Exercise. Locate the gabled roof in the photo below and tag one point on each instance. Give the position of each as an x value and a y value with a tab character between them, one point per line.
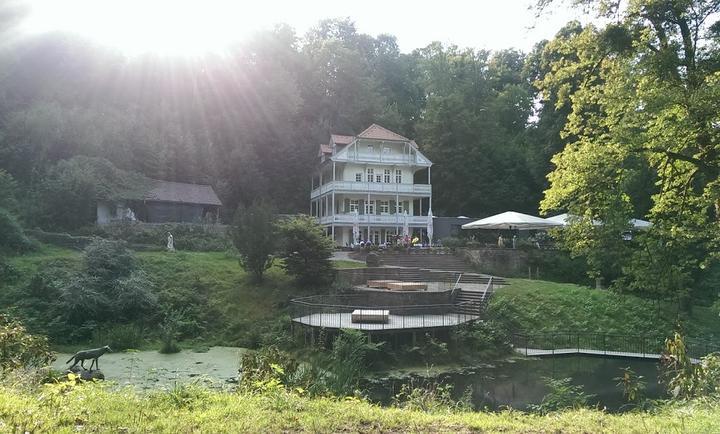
339	139
324	149
180	192
377	132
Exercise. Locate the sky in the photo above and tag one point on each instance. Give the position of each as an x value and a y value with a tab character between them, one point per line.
195	26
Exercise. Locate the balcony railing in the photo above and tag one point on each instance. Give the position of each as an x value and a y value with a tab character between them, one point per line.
385	158
372	187
365	219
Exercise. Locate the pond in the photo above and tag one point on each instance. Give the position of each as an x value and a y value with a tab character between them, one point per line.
216	367
518	383
515	382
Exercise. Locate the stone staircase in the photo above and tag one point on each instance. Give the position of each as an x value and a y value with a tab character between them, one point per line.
430	261
473	290
472	302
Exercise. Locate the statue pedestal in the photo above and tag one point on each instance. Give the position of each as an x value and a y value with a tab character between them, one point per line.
86	375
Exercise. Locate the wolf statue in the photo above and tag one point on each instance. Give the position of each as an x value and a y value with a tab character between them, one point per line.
93	354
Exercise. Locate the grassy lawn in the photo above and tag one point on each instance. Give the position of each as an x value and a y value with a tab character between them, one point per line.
196	410
547	306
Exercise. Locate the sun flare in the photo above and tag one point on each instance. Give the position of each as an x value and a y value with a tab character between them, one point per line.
163	26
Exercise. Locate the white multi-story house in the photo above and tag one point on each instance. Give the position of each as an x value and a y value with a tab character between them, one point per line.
374	179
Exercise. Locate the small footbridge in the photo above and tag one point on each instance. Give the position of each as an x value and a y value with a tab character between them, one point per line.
601	344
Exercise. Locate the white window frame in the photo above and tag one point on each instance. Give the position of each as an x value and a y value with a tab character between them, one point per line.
387	176
378	178
386	150
370	207
354	205
370	149
370	175
384	207
398	176
358	177
399	207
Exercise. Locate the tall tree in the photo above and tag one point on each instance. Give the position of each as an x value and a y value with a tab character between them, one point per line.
647	98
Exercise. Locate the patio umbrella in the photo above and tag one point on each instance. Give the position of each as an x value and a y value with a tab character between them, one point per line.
406	225
356	227
430	226
564	219
511	220
640	224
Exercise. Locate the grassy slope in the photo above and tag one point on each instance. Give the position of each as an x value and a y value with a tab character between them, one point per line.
233	302
201	411
545	306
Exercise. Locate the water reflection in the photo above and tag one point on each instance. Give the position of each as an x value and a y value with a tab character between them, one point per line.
519	383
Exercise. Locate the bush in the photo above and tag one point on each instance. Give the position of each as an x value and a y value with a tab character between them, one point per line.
431	398
350	358
119	337
12	237
563	395
307	251
108	260
255	239
170	330
20	349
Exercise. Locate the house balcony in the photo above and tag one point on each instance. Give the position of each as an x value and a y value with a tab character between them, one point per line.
366	157
372	187
348	219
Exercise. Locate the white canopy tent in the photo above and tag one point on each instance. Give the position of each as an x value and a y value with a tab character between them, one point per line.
511	220
564	220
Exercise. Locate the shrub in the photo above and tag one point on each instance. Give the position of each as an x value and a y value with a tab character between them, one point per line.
306	251
170	331
431	398
12	237
350	358
563	395
20	349
119	337
108	260
254	237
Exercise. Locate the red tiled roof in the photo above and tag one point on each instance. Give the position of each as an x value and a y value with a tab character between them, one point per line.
325	149
377	132
340	139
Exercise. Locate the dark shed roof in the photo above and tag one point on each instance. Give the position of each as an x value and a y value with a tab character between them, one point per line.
180	192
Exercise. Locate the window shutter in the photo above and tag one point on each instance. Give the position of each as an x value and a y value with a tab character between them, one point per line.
347	205
361	206
406	206
393	207
377	207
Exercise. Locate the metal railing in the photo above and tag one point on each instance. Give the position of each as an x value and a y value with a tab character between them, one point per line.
335	311
372	187
604	344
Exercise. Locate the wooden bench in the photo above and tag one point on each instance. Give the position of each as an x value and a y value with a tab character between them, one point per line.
370	315
380	284
407	286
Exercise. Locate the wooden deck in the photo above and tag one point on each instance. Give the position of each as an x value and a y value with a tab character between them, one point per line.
535	352
395	322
